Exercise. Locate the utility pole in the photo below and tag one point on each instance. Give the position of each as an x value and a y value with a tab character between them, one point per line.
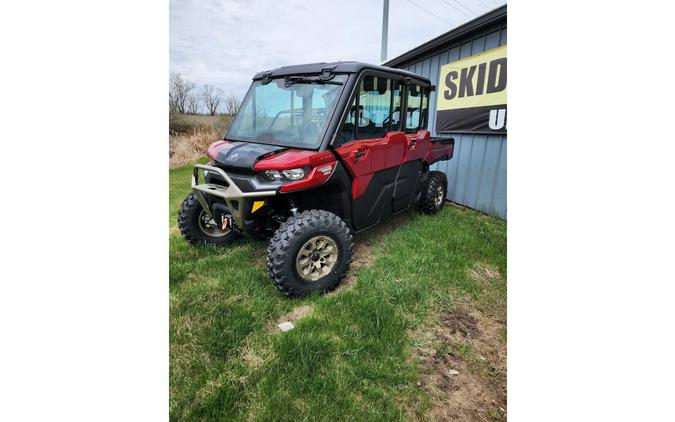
385	30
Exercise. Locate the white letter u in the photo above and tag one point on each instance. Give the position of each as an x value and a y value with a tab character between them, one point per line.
497	118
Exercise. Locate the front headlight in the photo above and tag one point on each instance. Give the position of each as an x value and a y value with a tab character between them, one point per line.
292	174
273	174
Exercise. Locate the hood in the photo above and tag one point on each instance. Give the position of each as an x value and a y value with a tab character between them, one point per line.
244	155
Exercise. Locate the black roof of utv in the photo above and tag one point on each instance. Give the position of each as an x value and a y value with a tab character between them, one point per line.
335	67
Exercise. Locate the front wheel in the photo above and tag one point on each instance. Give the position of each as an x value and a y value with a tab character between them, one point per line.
198	227
309	253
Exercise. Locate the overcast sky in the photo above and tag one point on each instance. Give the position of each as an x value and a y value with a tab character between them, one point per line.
225	42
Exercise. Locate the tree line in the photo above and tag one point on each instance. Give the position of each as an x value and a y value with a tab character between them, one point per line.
185	98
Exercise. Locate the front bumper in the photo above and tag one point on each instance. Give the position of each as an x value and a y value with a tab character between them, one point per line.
238	202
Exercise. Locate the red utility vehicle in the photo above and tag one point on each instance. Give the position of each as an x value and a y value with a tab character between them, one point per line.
316	153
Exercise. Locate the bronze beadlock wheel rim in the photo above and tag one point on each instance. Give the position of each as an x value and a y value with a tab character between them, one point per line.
316	258
209	227
440	195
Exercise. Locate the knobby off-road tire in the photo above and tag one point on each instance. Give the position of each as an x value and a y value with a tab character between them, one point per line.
433	194
297	238
194	230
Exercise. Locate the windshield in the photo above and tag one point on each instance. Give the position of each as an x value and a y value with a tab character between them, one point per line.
287	112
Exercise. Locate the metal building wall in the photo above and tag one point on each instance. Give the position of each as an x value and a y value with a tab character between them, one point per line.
477	172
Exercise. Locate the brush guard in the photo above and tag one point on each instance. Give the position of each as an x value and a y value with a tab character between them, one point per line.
236	200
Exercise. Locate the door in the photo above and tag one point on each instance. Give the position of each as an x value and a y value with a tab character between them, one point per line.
417	146
372	148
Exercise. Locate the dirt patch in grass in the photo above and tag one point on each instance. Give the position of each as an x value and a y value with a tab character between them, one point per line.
463	357
294	315
462	352
362	256
297	313
464	396
364	245
459	321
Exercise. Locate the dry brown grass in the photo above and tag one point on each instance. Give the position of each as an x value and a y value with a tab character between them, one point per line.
198	132
186	148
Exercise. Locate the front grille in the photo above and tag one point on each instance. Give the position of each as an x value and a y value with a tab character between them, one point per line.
242	181
214	178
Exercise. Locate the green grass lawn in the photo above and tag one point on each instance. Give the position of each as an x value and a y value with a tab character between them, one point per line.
354	357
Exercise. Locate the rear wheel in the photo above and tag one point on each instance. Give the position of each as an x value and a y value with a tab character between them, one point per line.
310	252
198	227
434	193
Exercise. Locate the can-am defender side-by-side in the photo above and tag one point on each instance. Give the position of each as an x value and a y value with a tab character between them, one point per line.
317	153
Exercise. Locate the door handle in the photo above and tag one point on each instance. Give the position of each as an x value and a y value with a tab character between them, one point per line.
412	143
360	153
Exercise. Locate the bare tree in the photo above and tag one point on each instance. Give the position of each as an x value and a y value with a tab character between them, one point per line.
232	104
192	104
179	92
212	97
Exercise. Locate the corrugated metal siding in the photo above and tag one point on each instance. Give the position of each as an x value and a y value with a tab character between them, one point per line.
477	172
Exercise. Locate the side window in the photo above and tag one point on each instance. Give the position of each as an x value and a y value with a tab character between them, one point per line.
413	108
374	108
425	108
396	107
346	132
